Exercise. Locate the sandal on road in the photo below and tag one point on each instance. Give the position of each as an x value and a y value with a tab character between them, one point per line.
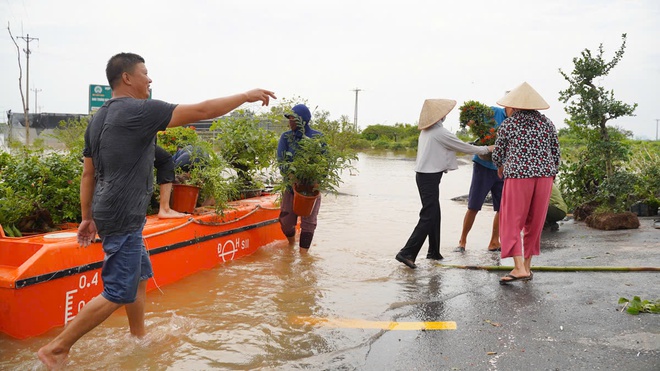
512	278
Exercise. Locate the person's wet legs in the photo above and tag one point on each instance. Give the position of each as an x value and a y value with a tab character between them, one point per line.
494	244
429	193
468	222
287	217
308	226
54	354
135	311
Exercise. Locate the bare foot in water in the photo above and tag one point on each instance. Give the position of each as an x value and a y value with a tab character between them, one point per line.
52	358
171	214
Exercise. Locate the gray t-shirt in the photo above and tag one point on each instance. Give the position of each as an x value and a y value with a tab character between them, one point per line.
121	139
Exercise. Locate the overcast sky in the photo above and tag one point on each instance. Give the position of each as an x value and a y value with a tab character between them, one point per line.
397	52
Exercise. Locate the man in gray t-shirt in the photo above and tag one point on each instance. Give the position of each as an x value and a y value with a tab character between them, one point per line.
115	188
120	141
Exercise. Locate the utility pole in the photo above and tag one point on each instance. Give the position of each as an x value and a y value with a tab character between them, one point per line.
656	129
36	91
27	51
356	90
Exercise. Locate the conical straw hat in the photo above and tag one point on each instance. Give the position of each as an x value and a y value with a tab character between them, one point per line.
433	110
524	97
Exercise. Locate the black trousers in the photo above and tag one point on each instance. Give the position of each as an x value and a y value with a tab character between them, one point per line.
428	185
164	166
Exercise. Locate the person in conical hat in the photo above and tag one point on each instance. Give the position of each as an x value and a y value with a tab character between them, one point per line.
436	154
527	156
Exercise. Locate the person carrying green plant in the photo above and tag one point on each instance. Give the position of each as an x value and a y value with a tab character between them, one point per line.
115	190
484	179
299	119
436	155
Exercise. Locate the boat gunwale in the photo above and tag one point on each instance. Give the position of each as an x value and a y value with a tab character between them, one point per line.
203	219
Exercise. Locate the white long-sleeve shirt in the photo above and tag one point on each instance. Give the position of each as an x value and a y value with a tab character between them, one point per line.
437	147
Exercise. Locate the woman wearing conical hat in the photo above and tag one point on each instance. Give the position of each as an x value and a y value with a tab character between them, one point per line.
527	156
436	154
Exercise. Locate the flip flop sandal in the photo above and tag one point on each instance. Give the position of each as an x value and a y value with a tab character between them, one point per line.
512	279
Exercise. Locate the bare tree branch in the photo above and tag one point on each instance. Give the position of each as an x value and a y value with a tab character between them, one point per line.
20	70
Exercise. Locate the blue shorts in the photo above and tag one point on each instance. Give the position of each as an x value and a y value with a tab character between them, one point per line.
126	263
484	180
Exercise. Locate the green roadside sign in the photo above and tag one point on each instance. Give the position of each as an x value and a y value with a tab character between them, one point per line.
98	94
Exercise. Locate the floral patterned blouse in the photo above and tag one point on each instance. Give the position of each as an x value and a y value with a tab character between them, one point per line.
527	146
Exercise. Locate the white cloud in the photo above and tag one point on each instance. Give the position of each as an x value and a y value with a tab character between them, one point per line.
399	53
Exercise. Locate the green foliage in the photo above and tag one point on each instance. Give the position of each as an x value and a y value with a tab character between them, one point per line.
615	191
637	306
411	142
480	119
381	144
315	165
275	116
210	172
645	164
589	104
215	182
583	173
339	134
245	146
599	151
181	136
34	182
71	133
397	137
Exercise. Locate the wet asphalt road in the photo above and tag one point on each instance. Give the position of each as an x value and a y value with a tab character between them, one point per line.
557	321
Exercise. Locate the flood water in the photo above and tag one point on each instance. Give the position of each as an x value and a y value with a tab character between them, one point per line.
275	309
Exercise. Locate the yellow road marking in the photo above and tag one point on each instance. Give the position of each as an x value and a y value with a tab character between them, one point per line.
383	325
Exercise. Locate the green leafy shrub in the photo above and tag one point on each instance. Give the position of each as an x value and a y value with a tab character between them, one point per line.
248	148
480	120
38	188
71	133
182	136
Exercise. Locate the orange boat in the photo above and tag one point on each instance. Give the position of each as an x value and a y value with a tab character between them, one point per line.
46	279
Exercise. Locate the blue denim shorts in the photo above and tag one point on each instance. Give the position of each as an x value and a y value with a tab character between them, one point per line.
126	263
484	180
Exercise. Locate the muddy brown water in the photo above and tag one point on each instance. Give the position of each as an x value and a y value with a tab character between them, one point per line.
267	311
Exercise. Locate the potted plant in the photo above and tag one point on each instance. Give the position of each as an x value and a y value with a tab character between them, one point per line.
314	167
206	181
480	120
248	148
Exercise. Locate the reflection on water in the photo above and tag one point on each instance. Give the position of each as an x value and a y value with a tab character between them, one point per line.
249	314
